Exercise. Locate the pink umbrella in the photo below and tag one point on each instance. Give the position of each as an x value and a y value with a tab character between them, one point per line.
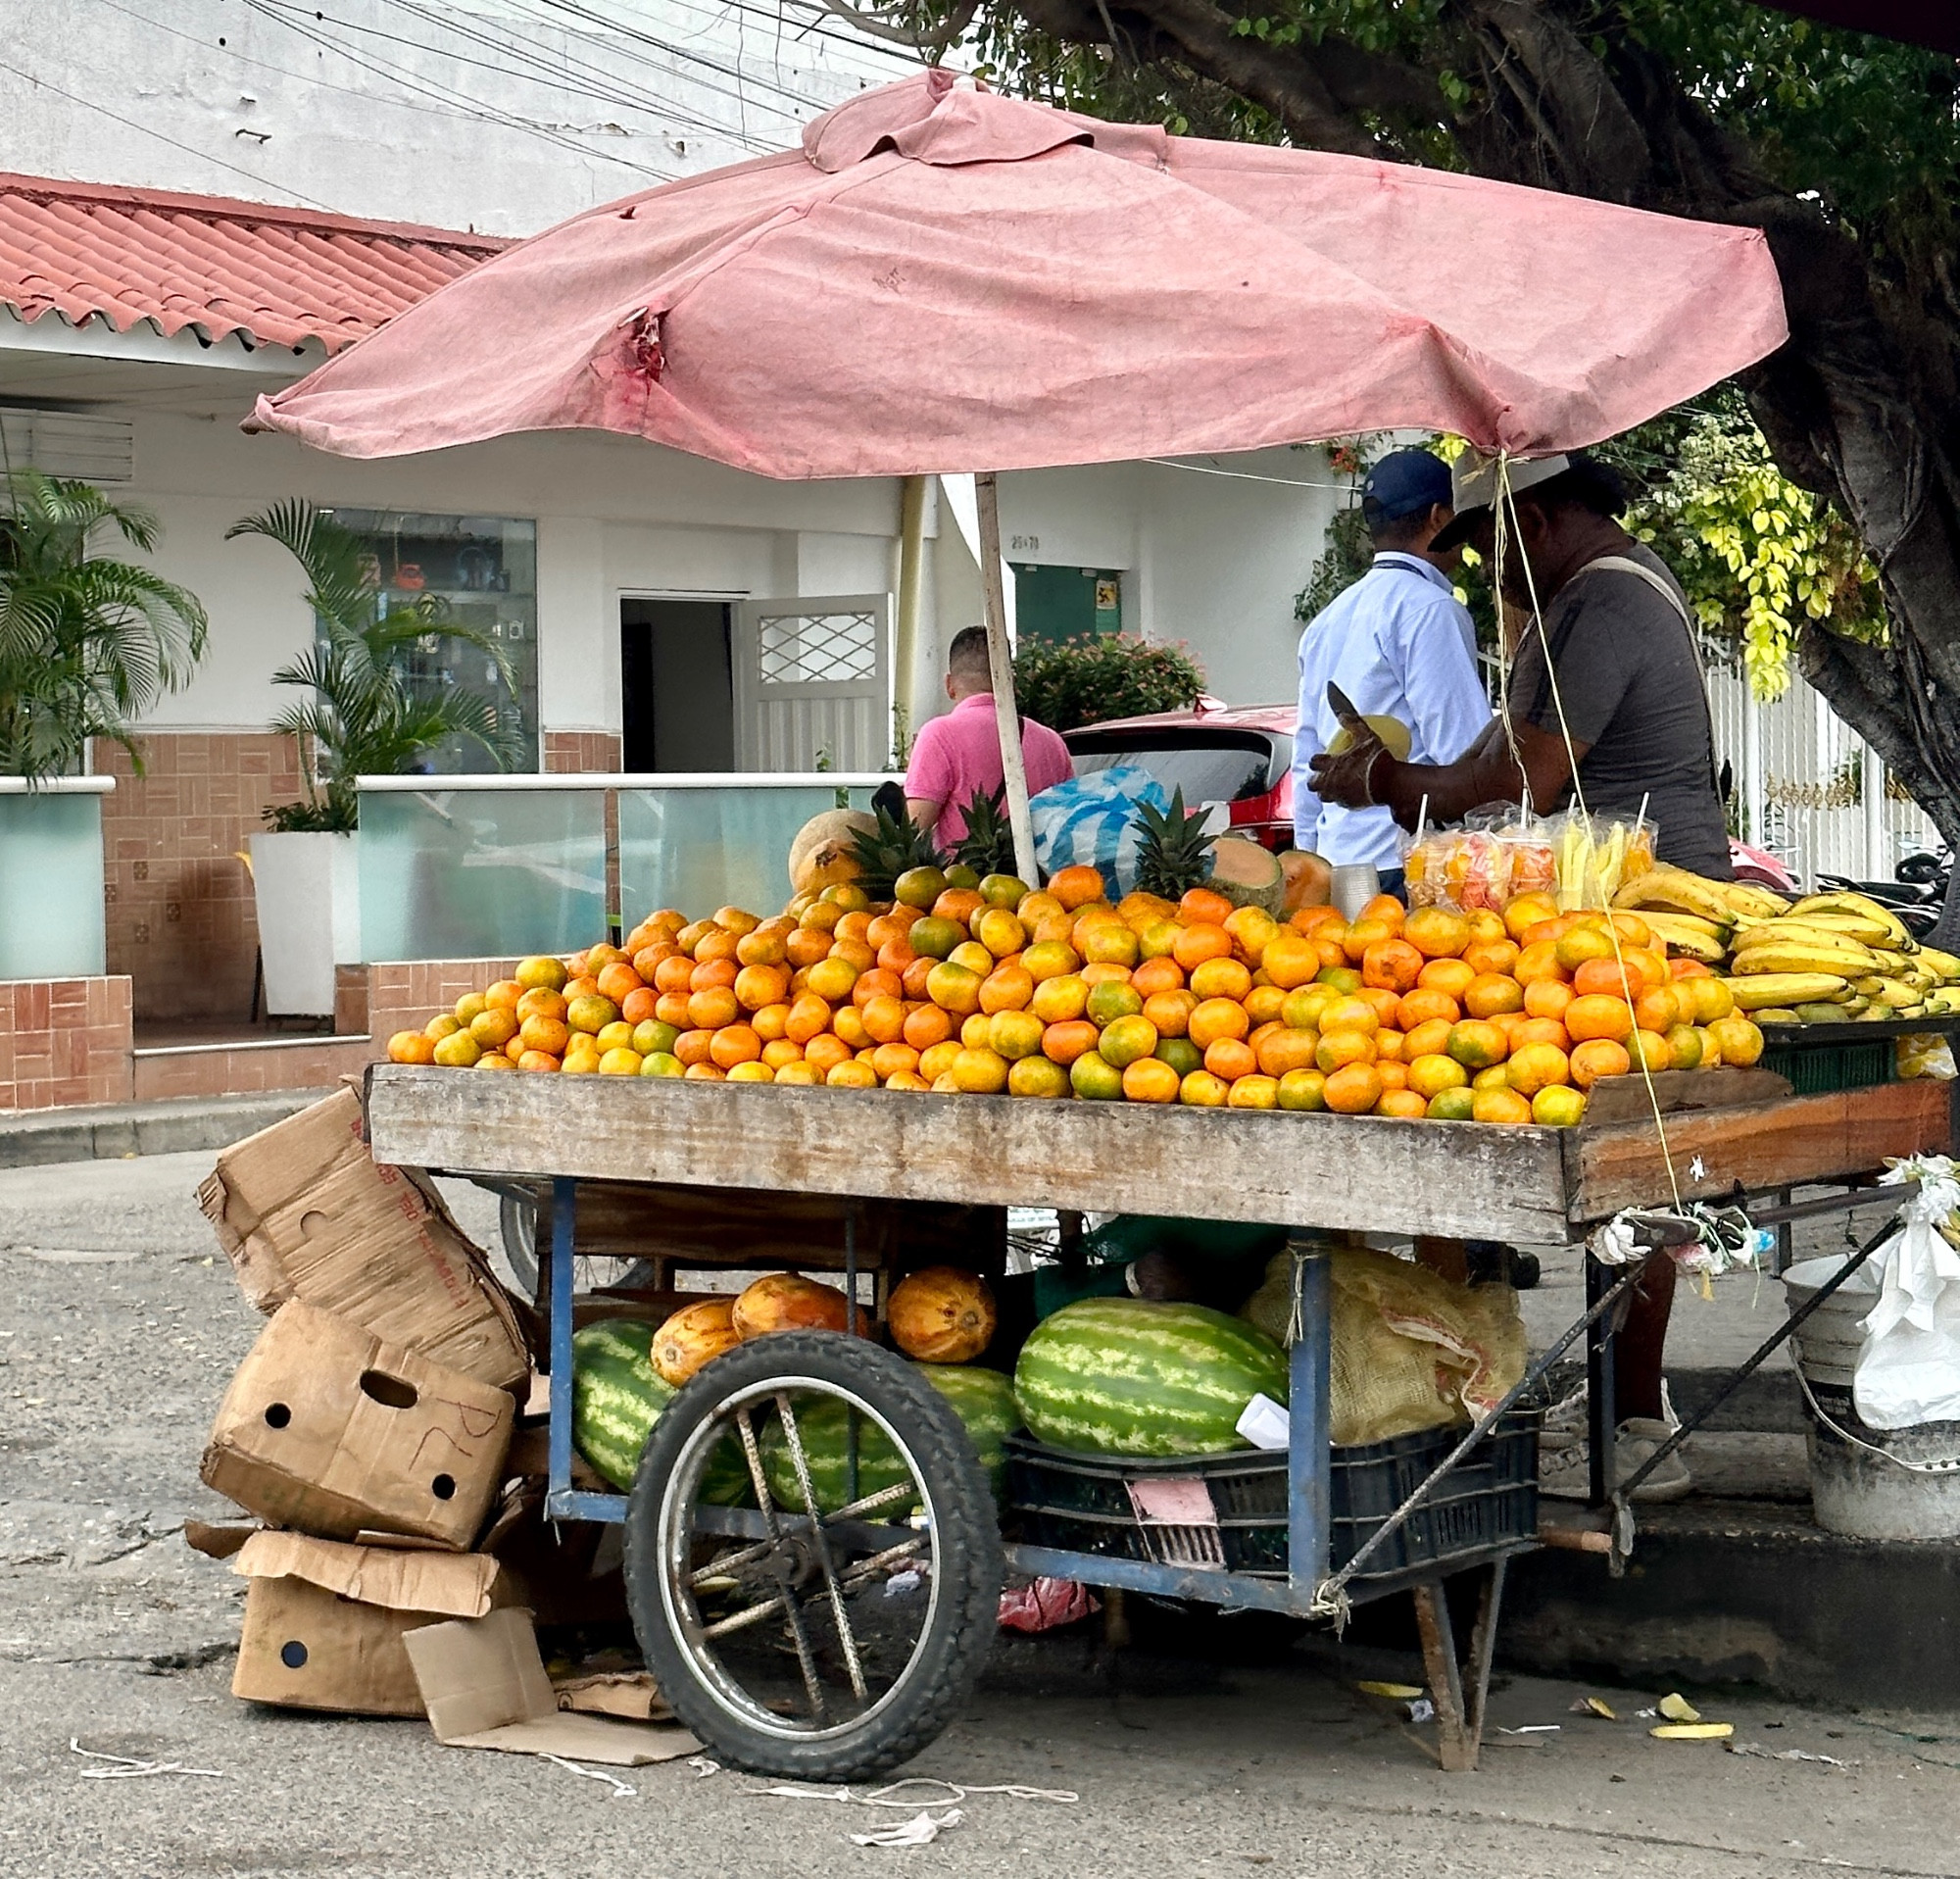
944	278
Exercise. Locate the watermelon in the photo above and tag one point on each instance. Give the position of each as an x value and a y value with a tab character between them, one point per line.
617	1398
983	1400
1136	1376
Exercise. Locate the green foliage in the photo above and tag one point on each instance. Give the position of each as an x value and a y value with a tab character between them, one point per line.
1067	683
87	643
988	846
365	716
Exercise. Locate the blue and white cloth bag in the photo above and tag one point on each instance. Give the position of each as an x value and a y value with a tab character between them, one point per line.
1089	821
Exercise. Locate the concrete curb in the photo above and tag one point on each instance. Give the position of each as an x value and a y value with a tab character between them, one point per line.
114	1131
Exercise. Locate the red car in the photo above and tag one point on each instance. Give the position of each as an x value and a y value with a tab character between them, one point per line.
1242	756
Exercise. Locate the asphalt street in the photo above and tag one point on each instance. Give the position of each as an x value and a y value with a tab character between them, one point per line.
1254	1753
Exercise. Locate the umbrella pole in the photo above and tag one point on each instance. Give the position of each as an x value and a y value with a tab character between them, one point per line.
1001	668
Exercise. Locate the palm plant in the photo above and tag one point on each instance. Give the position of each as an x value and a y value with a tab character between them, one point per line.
87	643
365	716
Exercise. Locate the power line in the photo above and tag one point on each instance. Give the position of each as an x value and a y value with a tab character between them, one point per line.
121	116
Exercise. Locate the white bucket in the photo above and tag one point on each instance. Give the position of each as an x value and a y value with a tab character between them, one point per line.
1872	1484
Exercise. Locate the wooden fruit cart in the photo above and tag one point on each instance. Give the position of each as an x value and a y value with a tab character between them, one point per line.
820	1178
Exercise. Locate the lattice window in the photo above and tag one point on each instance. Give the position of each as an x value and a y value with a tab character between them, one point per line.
815	649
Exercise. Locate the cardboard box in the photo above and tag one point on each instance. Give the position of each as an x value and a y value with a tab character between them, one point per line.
484	1686
327	1429
304	1212
324	1622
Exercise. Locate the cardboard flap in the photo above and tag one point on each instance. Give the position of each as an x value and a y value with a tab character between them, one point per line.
216	1542
484	1686
455	1584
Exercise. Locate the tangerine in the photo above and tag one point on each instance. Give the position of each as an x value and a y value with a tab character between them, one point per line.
1428	1039
937	1059
1093	1077
1204	907
1594	1015
1599	1057
1057	1000
1221	978
1526	910
1037	1076
412	1047
1254	1092
1650	1051
1069	1039
1284	1050
1449	975
1006	988
1432	1072
1231	1059
1405	1104
1303	1090
1204	1091
1201	942
953	988
1451	1106
1535	1066
1393	964
1424	1004
1499	1105
1436	932
1548	998
926	1025
1170	1011
1290	961
1351	1014
1214	1020
1149	1080
1353	1090
1338	1049
1489	994
1113	999
1558	1108
1477	1043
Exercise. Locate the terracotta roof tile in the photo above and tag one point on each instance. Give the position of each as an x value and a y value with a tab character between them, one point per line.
276	276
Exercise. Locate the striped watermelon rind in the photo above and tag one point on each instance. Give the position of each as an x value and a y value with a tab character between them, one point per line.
617	1398
983	1400
1138	1376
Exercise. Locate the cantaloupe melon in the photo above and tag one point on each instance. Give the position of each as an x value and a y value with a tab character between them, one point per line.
1246	875
822	854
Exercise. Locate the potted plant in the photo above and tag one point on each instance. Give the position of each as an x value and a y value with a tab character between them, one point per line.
87	643
363	716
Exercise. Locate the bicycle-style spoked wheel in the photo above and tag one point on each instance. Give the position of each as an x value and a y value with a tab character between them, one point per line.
827	1649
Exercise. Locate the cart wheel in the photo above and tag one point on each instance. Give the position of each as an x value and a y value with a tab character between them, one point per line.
517	1217
826	1652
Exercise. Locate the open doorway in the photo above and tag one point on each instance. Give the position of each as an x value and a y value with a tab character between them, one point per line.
677	685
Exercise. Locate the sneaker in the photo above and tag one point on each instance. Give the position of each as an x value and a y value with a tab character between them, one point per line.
1564	1466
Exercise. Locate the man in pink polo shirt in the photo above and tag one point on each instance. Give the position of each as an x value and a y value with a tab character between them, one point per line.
961	752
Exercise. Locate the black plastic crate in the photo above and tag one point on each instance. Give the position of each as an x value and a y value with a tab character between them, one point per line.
1081	1502
1818	1066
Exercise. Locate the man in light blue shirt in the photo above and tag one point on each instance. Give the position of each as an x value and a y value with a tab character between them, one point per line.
1397	642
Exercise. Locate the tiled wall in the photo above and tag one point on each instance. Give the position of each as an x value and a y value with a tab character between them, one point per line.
405	994
236	1069
180	906
63	1041
582	753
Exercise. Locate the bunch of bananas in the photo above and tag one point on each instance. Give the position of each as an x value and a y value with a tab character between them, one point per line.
1823	959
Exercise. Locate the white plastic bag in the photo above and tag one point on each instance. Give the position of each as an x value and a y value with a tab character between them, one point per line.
1909	1370
1087	821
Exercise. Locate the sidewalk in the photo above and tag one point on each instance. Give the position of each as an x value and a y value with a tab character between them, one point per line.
36	1138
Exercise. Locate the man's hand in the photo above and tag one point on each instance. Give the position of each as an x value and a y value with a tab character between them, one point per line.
1350	778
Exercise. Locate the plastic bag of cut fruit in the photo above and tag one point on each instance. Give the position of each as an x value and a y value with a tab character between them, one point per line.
1597	855
1461	868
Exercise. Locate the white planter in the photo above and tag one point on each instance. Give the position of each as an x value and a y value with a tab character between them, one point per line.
308	891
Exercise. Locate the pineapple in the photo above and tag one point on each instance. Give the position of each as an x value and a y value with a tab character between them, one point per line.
893	847
1173	852
988	846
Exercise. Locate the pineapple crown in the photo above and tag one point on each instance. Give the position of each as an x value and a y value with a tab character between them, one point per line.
1173	851
895	846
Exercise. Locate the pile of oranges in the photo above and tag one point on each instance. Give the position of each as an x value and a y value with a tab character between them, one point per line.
1053	992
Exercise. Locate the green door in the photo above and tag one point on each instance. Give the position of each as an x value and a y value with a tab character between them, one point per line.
1065	603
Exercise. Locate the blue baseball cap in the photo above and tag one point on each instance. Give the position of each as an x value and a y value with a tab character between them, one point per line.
1405	483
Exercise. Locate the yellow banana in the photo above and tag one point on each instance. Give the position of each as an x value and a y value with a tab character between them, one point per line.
1818	951
1673	890
1944	963
1785	989
1898	994
1858	926
1860	906
1759	960
1746	897
1688	936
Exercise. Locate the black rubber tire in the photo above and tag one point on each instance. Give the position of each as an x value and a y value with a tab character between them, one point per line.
953	1649
518	1223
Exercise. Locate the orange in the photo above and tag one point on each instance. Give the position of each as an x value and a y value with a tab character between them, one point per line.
506	992
537	1003
1351	1014
937	1059
1449	975
1535	1066
705	1073
1253	929
1395	1076
1264	1003
1526	910
1386	1002
548	1034
926	1025
1342	978
805	947
1170	1011
1111	999
1451	1106
1204	907
1284	1050
1204	1091
1338	1049
537	1061
493	1028
1539	1030
709	1010
1432	1073
1658	1009
999	931
638	1004
1738	1038
1127	1039
1254	1092
1499	1105
671	1007
1632	929
913	978
676	974
1548	998
1428	1039
1423	1004
1686	1045
1689	969
1364	933
592	1014
1490	993
975	956
953	988
752	1071
1477	1043
1050	958
1110	943
734	1044
1491	955
1394	965
875	983
1150	1080
1603	978
977	1032
711	972
890	1060
412	1047
755	986
897	953
1302	1009
1158	940
617	980
1405	1104
1220	978
1037	1076
1093	1078
808	1016
1353	1090
1599	1057
1014	1034
1386	908
1229	1057
821	1053
1215	1018
712	946
1712	998
1067	1040
1311	920
1539	962
578	987
1644	967
1198	943
1558	1108
1057	1000
1290	961
848	1026
1006	988
1594	1015
761	946
1582	944
884	1019
851	1075
1303	1090
1436	932
1104	973
1390	1047
781	1052
1486	925
1651	1051
1076	886
691	1046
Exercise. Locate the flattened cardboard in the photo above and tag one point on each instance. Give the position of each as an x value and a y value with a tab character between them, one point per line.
303	1210
484	1686
330	1430
631	1694
324	1622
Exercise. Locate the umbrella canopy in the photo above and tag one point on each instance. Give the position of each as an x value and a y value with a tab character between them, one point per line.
943	280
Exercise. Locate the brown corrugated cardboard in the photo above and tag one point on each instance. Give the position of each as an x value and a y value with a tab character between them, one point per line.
631	1694
303	1210
484	1686
327	1429
324	1622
